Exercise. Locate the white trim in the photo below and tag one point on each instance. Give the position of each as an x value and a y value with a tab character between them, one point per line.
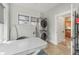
72	28
6	21
3	20
56	30
5	38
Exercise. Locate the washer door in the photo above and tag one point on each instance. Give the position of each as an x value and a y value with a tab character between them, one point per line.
44	36
44	23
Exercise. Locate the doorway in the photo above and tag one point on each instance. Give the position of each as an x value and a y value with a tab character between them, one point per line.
67	28
63	29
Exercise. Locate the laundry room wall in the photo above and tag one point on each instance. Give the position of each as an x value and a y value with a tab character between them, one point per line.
15	9
75	5
51	19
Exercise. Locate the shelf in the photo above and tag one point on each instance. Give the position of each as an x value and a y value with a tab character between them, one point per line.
67	28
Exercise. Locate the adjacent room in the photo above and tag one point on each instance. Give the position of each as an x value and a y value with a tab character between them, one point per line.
35	28
75	47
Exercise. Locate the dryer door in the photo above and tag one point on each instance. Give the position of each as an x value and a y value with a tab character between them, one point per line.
44	36
44	23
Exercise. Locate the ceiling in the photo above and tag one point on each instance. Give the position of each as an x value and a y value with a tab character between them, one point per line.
41	7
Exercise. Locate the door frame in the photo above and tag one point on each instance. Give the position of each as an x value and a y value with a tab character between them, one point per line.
6	21
57	15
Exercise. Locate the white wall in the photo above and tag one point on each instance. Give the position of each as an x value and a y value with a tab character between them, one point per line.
51	20
76	5
16	9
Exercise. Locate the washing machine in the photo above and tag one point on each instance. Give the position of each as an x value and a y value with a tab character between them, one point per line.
42	24
43	35
42	29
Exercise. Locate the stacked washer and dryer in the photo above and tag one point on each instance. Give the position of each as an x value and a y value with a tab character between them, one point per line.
42	29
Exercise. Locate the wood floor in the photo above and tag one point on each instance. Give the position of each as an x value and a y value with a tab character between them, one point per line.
63	48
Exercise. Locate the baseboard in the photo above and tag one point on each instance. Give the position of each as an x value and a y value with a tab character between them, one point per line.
53	42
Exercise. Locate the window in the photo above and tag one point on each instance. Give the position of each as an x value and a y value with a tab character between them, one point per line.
34	21
22	19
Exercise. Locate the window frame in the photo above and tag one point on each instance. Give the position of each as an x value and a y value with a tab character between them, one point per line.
6	23
21	19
